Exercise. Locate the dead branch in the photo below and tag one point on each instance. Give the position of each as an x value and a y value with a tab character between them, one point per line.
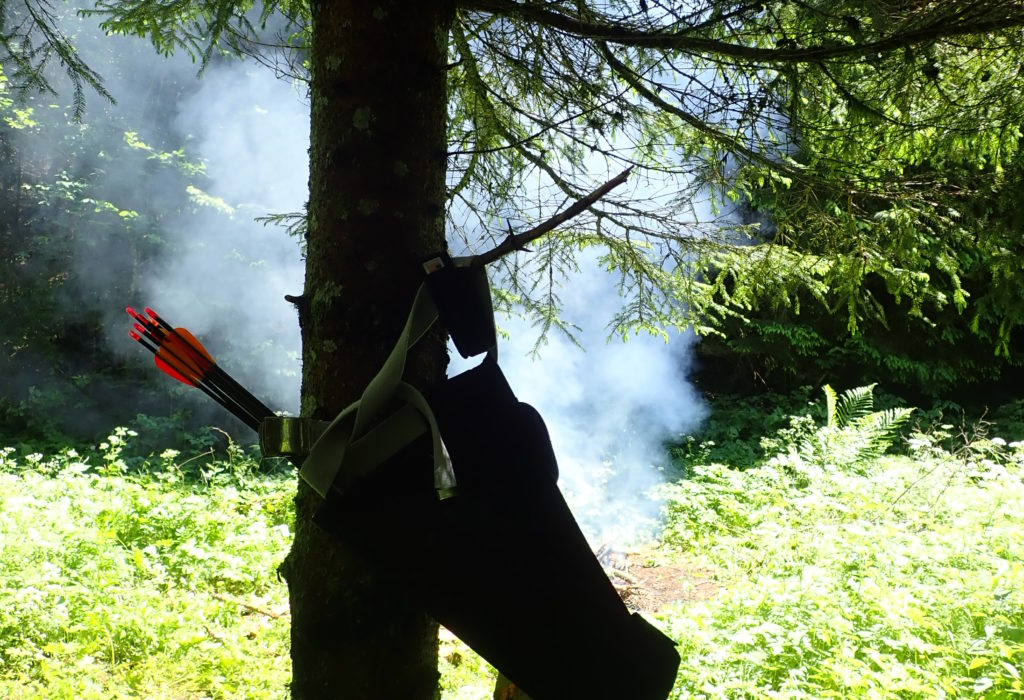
519	241
612	572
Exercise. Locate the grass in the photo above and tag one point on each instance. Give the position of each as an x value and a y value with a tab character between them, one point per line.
842	571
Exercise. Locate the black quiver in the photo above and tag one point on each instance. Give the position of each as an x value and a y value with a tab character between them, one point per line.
499	559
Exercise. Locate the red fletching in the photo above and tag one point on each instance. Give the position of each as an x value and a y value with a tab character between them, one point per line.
168	370
146	339
173	353
194	345
179	353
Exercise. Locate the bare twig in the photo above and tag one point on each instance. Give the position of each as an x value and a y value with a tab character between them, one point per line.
252	608
912	484
207	453
517	242
214	635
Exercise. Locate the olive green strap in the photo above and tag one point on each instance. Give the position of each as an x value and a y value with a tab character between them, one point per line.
364	435
289	436
378	393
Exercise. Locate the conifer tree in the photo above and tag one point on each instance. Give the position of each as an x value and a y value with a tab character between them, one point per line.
449	117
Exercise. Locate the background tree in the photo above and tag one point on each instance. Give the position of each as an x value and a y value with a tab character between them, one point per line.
76	234
461	114
902	270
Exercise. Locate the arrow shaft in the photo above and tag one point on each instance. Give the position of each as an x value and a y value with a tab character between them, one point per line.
212	390
256	407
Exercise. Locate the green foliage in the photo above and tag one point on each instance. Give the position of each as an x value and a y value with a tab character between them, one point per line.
901	577
464	674
853	433
90	216
31	39
909	267
875	135
884	577
122	580
125	577
808	342
743	431
201	28
875	192
69	215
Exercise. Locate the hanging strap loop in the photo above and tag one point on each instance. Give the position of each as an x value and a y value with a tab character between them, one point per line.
365	434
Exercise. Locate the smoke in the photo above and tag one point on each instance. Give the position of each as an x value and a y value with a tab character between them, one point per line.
610	406
252	132
223	273
151	202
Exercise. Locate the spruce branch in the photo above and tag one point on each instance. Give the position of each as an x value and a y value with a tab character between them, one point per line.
961	18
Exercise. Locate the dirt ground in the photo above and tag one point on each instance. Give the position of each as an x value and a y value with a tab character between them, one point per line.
647	583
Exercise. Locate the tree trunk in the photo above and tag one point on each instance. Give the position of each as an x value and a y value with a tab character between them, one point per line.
376	203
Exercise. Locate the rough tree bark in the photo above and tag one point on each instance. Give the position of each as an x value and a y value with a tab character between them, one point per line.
377	184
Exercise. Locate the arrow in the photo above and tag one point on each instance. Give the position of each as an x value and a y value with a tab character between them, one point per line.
180	355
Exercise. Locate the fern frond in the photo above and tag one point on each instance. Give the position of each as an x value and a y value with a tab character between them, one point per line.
854	404
854	433
881	428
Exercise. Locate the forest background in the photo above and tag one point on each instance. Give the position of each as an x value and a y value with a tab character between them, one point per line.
918	289
922	293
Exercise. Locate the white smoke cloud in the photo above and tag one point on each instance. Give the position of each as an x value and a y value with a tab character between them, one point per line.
223	276
609	409
252	132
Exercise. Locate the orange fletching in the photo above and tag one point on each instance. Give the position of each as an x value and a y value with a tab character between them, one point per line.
180	355
194	344
184	358
178	360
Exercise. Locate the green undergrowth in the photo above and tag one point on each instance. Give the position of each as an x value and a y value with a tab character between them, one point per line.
141	578
859	550
130	577
849	573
